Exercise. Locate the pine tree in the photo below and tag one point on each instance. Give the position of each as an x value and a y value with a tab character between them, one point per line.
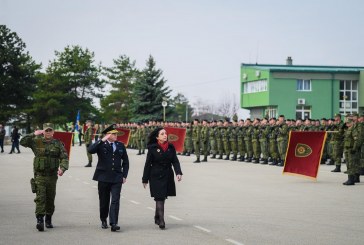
116	106
149	92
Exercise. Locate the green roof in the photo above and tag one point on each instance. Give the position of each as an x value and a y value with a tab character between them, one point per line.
304	68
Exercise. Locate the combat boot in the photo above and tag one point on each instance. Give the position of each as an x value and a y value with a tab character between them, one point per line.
361	171
220	157
350	180
357	178
256	160
188	154
265	161
337	169
143	151
248	159
213	156
40	222
241	159
48	221
139	153
89	164
280	164
204	159
274	162
234	158
227	157
197	160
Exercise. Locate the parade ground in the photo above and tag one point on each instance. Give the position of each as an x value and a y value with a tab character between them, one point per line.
218	202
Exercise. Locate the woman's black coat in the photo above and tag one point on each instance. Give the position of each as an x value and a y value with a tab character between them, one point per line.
158	171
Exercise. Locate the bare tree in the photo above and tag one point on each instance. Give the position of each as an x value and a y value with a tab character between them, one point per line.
228	105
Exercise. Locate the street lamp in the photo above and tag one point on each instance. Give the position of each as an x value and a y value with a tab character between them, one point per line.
164	104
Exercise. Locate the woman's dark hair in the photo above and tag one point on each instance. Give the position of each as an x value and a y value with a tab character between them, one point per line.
152	138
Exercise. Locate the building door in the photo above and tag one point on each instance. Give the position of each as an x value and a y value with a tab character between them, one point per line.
303	112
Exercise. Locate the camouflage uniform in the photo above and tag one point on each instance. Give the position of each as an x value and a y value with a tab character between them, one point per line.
188	141
353	140
255	143
225	135
241	143
204	141
282	141
196	136
248	143
263	140
273	148
220	143
212	138
234	142
49	156
88	141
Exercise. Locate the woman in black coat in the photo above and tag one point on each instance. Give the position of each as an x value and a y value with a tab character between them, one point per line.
158	171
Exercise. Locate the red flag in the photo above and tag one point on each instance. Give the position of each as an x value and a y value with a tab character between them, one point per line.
66	138
304	153
123	135
176	136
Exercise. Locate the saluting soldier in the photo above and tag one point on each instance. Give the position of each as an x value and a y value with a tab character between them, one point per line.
264	131
338	139
50	159
225	135
220	143
248	140
241	143
272	136
361	172
204	140
196	137
255	140
234	140
353	141
212	138
111	172
88	136
282	139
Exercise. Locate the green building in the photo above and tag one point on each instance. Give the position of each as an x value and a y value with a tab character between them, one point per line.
301	91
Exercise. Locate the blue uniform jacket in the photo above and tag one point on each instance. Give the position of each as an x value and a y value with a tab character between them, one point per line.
112	166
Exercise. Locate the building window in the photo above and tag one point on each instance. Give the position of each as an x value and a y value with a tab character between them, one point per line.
271	112
256	86
303	85
303	112
348	102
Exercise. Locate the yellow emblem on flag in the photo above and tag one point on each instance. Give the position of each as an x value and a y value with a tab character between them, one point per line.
172	137
121	133
302	150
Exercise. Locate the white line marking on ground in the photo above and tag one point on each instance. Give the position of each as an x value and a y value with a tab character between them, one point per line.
201	228
151	208
174	217
86	183
135	202
233	241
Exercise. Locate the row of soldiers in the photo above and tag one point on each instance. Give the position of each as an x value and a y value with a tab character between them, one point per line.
263	140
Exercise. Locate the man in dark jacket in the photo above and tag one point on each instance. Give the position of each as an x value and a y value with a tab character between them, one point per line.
111	172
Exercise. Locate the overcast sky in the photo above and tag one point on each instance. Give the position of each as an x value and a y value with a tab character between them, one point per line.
199	44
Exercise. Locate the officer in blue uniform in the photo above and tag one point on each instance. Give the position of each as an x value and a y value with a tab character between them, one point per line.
111	172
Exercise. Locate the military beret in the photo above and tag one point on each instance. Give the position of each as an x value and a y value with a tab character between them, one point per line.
338	115
48	125
110	130
349	120
355	114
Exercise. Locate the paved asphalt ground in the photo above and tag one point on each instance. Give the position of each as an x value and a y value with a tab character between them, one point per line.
218	202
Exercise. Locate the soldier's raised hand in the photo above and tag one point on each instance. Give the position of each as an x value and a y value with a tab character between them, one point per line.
105	137
38	132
